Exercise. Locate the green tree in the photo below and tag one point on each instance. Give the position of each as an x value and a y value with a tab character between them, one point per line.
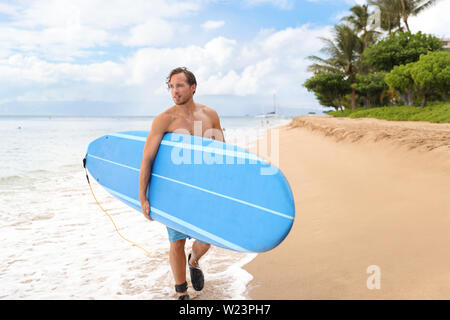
400	48
343	51
432	73
389	14
400	79
413	8
371	87
329	88
360	20
393	12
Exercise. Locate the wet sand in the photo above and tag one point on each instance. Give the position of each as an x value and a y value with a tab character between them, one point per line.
367	193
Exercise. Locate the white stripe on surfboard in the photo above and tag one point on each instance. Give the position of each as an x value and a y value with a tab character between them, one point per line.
226	197
182	145
128	136
183	223
201	189
112	162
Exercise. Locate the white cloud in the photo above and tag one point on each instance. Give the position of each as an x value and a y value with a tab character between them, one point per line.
282	4
273	62
433	20
152	32
213	24
29	70
7	9
42	41
66	29
103	14
149	66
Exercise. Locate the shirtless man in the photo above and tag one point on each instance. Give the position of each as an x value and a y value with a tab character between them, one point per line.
179	118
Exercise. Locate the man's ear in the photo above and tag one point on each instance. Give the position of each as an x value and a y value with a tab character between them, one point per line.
195	88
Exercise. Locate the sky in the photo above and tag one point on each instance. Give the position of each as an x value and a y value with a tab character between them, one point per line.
98	57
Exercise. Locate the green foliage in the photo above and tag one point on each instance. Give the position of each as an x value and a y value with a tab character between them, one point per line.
379	72
432	72
371	87
438	112
329	87
343	51
429	75
400	48
400	78
389	14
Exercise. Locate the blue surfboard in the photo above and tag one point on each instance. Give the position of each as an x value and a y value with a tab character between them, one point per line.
212	191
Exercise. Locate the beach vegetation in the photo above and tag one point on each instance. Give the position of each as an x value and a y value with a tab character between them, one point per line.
432	73
343	51
381	63
359	19
372	89
387	16
392	13
429	76
410	8
329	87
400	48
400	79
437	112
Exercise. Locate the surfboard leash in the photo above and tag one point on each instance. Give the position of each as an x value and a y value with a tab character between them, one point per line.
110	217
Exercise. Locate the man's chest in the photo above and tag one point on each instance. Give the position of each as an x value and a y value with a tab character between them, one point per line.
195	127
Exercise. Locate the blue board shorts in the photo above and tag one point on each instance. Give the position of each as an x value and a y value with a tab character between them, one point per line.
175	235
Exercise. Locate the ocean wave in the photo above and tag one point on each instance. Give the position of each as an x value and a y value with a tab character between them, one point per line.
29	176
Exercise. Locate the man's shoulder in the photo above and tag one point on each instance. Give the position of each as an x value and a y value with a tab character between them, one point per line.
167	114
208	110
163	120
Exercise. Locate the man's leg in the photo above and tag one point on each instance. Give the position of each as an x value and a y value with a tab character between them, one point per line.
177	259
197	278
198	250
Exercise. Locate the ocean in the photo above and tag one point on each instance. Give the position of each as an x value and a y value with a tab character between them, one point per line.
56	242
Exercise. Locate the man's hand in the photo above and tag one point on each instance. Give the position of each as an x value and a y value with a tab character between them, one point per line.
145	205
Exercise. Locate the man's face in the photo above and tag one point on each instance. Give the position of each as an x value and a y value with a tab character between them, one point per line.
180	90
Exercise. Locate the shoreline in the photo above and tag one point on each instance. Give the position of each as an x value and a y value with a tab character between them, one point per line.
367	192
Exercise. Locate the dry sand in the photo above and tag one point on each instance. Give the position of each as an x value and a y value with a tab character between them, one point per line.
367	192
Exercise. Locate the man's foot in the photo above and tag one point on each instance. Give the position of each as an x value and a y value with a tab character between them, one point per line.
197	278
181	289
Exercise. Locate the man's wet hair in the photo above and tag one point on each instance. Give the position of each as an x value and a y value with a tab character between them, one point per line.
189	76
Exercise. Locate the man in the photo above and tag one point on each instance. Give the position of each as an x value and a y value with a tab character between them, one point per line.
179	118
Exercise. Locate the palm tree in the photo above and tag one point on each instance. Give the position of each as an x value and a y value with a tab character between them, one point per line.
413	8
389	14
359	17
343	52
360	20
392	12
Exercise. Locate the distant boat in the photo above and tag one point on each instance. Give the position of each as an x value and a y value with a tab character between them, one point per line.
267	115
271	114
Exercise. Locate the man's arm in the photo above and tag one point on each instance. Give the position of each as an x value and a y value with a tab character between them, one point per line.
218	132
159	128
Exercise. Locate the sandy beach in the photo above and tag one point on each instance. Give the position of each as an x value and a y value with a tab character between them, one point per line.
368	194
